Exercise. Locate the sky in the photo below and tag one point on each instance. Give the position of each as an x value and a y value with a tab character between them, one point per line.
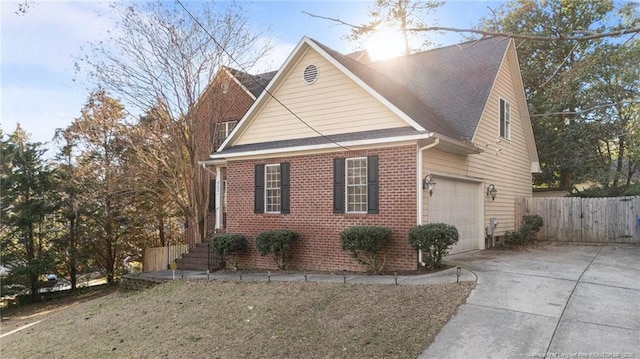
40	89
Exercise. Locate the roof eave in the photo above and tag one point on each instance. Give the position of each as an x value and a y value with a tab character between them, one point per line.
451	145
338	145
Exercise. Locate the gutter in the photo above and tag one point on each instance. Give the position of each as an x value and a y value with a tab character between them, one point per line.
420	189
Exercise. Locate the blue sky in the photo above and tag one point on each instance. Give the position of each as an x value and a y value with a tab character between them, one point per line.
40	90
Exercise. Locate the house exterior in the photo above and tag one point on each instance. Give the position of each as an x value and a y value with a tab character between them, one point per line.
221	106
336	143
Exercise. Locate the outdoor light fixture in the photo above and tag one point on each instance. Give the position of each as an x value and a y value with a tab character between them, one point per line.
429	183
492	191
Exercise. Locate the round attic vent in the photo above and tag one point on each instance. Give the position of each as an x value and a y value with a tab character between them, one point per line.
310	74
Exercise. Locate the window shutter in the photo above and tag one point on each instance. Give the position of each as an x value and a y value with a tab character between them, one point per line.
502	124
338	185
258	206
284	188
212	195
372	185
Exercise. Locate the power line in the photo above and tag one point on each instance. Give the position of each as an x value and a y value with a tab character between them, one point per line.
264	88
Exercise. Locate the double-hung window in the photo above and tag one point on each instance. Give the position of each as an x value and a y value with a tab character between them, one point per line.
271	190
505	119
272	195
221	131
355	185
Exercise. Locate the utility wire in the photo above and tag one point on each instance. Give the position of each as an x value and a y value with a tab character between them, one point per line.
264	88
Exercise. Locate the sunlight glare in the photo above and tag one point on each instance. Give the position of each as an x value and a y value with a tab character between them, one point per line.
385	44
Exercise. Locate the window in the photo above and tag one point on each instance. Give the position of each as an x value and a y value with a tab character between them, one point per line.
356	180
355	185
272	188
271	192
505	119
221	131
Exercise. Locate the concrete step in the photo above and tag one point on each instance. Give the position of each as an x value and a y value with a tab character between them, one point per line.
199	258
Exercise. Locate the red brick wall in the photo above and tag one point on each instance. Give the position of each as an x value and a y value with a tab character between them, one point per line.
215	106
312	210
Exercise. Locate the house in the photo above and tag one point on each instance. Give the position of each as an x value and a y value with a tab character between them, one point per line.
223	103
335	143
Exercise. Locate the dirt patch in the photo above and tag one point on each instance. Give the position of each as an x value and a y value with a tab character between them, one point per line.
210	319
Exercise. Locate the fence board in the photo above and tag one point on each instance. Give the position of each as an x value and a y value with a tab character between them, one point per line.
595	220
159	258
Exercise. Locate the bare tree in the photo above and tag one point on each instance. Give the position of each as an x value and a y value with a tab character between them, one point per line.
159	57
487	31
402	15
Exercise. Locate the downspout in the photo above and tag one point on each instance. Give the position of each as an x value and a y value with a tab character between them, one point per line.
421	189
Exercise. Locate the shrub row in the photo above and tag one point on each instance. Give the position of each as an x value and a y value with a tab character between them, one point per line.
277	243
364	243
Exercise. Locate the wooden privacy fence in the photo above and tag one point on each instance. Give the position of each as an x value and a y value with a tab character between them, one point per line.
159	258
570	219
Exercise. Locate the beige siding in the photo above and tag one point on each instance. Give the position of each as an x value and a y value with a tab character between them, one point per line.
334	104
504	163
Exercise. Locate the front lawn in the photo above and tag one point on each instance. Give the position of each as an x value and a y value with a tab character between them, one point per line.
200	319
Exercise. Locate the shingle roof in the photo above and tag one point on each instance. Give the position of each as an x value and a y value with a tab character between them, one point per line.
354	136
254	83
444	90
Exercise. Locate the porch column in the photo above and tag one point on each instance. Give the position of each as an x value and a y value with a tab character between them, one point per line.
219	199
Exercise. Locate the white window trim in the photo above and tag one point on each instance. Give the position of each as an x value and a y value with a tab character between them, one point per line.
226	124
266	203
507	113
346	185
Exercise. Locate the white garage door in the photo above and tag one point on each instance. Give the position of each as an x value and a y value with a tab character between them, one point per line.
458	202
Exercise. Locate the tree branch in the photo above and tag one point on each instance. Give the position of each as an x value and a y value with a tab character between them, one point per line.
586	109
561	37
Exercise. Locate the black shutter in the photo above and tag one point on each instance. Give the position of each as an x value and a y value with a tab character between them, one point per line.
212	195
284	188
372	185
258	206
502	122
338	185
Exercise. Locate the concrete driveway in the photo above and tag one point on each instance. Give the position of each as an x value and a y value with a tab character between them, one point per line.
560	301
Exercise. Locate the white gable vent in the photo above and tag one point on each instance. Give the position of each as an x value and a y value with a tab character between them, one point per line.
310	74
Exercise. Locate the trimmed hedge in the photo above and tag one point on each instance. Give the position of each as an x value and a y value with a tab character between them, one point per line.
229	245
278	243
435	240
365	243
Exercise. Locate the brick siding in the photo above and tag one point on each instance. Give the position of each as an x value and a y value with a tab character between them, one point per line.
312	216
215	106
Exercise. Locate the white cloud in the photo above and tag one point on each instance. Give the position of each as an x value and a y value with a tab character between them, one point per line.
275	58
37	63
40	111
50	33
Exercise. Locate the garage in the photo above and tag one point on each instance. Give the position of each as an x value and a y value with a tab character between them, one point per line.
459	202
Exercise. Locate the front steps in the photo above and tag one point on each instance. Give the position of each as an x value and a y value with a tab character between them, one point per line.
199	258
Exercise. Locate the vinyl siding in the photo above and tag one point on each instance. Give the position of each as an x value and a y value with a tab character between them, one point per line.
504	163
334	104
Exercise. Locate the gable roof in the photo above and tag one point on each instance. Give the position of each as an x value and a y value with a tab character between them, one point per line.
454	81
253	83
393	91
440	92
444	89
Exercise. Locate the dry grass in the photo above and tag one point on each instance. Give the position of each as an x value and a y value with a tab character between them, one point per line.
200	319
